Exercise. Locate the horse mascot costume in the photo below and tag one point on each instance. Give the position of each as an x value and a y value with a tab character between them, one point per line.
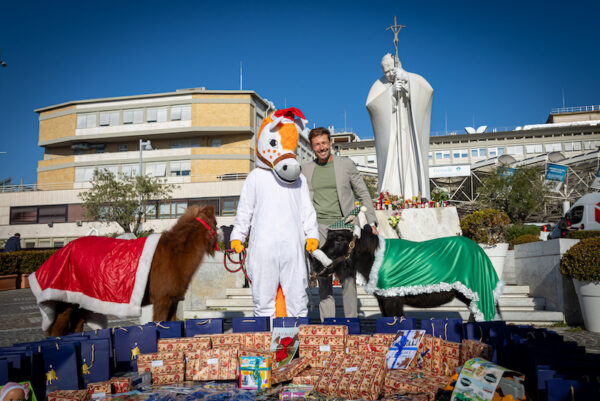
421	274
275	202
95	276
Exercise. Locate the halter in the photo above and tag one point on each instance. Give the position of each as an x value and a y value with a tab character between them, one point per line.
211	231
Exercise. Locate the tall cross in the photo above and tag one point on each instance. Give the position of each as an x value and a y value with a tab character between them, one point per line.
395	28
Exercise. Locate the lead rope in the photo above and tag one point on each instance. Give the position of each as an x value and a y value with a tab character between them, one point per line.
241	262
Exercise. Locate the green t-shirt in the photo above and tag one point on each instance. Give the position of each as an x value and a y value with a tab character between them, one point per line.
325	196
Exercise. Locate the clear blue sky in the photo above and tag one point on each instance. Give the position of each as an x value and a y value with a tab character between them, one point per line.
494	63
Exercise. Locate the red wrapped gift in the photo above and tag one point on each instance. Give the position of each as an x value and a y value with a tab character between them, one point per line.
358	344
407	397
215	364
161	362
308	377
256	340
167	378
121	384
451	352
228	341
100	388
402	382
316	335
475	349
69	395
428	357
353	377
183	344
287	372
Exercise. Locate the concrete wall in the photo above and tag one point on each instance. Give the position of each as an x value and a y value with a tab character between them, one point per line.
537	265
210	281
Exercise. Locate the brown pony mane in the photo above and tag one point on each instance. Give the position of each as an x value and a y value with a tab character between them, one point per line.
187	227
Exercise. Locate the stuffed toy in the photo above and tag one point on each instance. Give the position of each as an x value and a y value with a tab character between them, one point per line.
275	202
14	392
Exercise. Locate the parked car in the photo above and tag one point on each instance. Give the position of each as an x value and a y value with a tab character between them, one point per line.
585	214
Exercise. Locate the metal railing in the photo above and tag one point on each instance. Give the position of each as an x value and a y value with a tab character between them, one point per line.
575	109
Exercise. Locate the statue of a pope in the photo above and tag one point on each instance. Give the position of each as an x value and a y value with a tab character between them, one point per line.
399	104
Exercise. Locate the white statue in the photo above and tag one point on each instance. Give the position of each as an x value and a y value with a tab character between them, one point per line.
399	104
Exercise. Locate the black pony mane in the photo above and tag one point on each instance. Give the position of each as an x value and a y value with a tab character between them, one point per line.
364	252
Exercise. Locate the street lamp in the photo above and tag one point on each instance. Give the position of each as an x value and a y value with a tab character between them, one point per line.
144	145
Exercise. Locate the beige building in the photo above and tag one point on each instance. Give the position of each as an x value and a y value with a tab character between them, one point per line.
202	140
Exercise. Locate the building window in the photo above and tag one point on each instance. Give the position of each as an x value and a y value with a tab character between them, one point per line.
130	170
180	168
185	143
228	206
86	120
553	147
23	215
474	153
438	155
430	155
533	148
372	159
183	113
460	153
109	118
175	113
52	214
156	115
170	210
257	122
514	150
214	202
156	169
215	142
493	152
150	211
500	150
84	174
572	146
122	147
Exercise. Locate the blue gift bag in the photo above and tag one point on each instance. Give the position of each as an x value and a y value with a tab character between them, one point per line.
290	321
4	366
353	323
171	329
194	327
395	324
251	324
567	390
61	366
446	329
95	360
142	340
105	334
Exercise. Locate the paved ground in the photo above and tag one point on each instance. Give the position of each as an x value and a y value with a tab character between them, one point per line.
21	321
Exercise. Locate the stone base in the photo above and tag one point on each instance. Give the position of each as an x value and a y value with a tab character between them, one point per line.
421	224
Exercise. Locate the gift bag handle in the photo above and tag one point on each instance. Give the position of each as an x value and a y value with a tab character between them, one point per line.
158	324
93	358
572	394
120	328
204	322
446	331
480	334
402	318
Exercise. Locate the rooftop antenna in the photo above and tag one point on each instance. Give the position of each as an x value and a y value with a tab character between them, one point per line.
240	75
395	28
446	121
563	97
345	129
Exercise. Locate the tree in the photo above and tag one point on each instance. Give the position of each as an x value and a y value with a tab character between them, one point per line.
371	183
118	199
519	192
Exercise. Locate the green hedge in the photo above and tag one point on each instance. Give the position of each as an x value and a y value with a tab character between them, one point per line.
582	260
517	230
524	239
23	262
485	226
583	234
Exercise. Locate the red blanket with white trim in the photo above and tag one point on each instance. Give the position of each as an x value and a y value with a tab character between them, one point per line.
100	274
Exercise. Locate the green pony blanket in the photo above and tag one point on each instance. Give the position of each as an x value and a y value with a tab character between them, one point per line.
403	267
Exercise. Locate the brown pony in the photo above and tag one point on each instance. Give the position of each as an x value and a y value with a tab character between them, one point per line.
178	254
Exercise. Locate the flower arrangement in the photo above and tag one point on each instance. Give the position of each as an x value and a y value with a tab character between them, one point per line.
395	218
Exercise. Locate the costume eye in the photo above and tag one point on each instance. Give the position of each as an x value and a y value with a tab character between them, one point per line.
273	142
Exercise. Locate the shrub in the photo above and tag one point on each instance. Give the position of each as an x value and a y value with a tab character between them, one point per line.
23	262
524	239
485	226
582	260
516	230
583	234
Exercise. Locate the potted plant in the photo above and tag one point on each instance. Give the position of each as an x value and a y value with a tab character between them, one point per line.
581	263
487	228
8	272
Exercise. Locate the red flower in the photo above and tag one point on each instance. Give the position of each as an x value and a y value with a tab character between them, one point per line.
281	355
286	342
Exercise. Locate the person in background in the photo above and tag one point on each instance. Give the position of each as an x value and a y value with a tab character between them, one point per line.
565	225
335	184
13	243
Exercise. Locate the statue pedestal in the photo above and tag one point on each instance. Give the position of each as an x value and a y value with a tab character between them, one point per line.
421	224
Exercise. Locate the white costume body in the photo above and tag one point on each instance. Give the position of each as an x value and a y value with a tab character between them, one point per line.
402	134
281	217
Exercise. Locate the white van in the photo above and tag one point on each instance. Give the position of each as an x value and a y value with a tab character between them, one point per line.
585	214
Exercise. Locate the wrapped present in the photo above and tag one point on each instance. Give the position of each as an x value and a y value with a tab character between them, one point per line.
308	377
183	344
294	392
407	397
254	372
289	371
121	384
251	324
394	324
161	361
69	395
428	357
256	340
403	349
474	349
358	344
382	340
229	341
403	382
451	353
316	335
100	389
159	379
353	377
215	364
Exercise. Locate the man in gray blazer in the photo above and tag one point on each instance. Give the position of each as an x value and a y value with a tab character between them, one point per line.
335	184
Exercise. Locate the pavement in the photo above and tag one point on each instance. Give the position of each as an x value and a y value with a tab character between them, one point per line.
20	321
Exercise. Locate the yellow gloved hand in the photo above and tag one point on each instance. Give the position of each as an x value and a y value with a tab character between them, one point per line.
312	244
236	244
